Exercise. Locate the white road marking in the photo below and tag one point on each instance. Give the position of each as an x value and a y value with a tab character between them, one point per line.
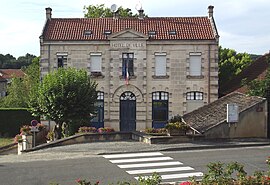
135	160
158	170
113	156
149	164
141	160
180	175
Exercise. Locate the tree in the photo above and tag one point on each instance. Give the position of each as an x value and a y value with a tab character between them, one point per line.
10	62
231	63
97	11
19	89
25	60
65	95
260	87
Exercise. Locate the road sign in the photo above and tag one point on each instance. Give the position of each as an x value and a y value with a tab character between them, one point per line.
34	123
34	129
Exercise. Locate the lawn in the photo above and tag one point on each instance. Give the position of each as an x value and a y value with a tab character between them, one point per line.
5	141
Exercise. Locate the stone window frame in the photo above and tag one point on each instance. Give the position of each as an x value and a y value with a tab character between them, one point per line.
195	95
62	58
95	73
196	76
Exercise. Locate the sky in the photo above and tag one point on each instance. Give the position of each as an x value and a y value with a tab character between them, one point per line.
242	24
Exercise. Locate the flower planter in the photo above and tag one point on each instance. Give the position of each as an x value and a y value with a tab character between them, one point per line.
176	132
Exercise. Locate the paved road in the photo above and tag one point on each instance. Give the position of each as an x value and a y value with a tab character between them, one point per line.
65	164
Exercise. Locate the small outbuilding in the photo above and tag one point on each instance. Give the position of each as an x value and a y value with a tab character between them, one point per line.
211	120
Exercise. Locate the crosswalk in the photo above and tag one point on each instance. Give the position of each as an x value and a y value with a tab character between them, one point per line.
146	163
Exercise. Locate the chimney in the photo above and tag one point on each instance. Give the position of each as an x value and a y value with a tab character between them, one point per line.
48	13
141	15
210	11
116	15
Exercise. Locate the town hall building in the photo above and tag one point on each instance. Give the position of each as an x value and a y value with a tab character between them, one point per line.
148	69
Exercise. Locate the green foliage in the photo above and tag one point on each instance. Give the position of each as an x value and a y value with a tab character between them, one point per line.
154	179
10	62
177	126
230	174
259	87
220	174
6	141
176	123
85	182
12	120
65	95
85	129
96	11
155	130
175	119
20	89
231	63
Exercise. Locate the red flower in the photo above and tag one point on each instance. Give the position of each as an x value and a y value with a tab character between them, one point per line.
78	180
185	183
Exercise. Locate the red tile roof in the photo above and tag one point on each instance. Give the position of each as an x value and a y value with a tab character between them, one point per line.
10	73
187	28
255	70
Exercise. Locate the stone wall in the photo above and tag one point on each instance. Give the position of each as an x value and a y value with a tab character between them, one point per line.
176	82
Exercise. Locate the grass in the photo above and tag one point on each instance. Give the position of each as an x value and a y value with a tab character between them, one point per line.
5	141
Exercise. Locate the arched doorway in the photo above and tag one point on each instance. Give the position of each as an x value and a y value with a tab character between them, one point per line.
127	111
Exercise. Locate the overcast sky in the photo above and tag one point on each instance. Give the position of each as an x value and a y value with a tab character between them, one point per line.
242	24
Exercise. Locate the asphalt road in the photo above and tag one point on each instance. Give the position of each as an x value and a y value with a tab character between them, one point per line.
44	168
253	158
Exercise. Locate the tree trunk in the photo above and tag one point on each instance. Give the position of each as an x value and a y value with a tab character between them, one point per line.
57	129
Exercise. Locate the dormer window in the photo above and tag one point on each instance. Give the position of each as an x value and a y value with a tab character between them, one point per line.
107	32
87	32
172	32
152	33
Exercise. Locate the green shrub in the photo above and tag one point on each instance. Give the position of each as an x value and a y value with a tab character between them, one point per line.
12	119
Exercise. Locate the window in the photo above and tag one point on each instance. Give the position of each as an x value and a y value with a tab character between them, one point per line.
160	109
87	32
95	62
194	95
160	64
107	32
127	65
172	32
98	120
61	60
195	64
152	33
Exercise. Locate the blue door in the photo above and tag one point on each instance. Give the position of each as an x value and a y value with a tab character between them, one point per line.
127	112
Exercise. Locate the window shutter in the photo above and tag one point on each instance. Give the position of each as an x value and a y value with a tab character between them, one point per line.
95	63
160	66
195	65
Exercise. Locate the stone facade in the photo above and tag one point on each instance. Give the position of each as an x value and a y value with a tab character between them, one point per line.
177	81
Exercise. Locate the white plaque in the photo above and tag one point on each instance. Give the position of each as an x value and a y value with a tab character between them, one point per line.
232	113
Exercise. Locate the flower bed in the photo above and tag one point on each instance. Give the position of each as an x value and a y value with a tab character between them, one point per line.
155	131
94	130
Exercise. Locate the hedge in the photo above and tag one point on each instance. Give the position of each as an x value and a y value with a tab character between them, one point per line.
11	119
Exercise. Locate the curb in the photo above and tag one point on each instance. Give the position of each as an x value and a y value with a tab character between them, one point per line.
7	147
215	147
194	148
